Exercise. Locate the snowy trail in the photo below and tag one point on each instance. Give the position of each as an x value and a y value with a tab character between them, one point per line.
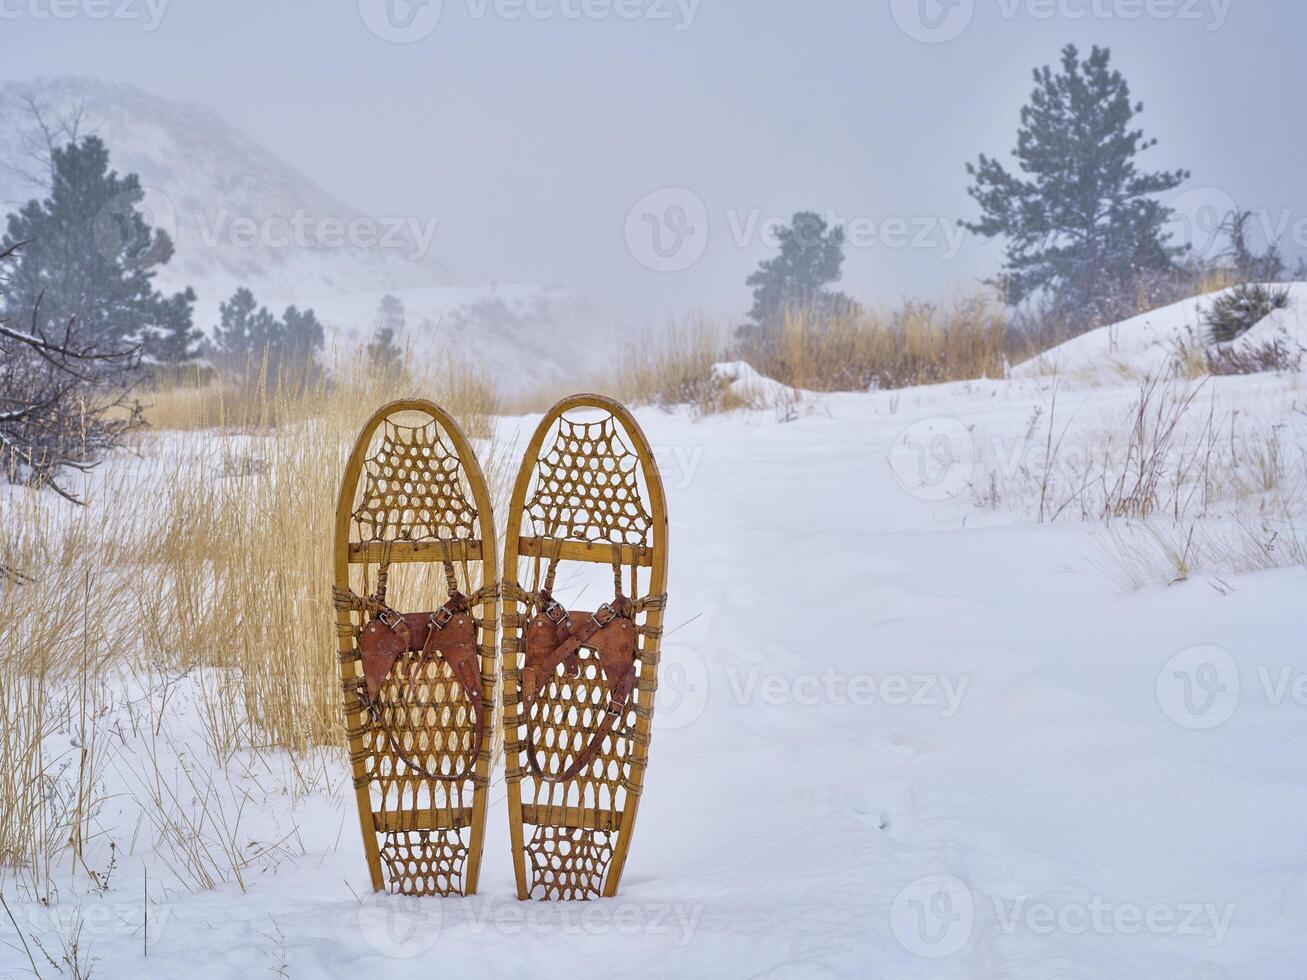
862	691
1055	778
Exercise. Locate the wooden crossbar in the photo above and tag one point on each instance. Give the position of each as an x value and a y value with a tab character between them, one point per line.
596	551
414	551
584	818
388	821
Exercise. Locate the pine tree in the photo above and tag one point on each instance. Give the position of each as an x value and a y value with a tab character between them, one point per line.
383	353
300	337
176	340
391	314
248	338
810	257
244	331
1081	225
91	258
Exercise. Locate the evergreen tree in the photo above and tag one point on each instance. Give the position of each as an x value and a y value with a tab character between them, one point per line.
391	314
91	258
247	335
300	337
383	352
244	331
1080	223
176	340
810	257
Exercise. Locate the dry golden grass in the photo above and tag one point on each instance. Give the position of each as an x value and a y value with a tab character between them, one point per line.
918	344
202	554
244	540
672	367
262	399
660	367
1217	278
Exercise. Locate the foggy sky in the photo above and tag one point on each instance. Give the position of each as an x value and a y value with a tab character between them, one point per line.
530	128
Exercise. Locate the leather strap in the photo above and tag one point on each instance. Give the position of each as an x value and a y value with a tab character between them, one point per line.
449	632
455	641
554	637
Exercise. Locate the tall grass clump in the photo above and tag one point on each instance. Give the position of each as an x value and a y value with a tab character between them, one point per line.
267	394
920	343
204	556
672	367
244	542
823	348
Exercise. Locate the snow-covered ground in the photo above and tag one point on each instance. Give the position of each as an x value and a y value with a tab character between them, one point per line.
904	730
943	697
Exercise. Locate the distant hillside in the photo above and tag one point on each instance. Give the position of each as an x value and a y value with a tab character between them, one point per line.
240	216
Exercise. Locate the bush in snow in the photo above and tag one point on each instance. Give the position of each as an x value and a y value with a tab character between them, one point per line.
1234	312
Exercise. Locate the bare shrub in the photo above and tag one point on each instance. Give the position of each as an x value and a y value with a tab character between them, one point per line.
1184	482
64	401
1157	467
1277	354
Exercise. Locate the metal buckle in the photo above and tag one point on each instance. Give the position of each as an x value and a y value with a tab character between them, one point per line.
616	710
440	618
612	614
550	608
390	618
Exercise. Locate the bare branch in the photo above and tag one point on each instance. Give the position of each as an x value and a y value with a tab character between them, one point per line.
36	147
65	403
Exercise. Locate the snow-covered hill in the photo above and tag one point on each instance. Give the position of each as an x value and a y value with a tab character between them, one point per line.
1149	343
222	196
239	216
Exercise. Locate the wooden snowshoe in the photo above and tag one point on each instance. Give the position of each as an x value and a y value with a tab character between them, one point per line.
414	531
585	568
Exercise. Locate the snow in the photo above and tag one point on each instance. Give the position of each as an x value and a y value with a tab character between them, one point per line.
748	387
1148	343
898	735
